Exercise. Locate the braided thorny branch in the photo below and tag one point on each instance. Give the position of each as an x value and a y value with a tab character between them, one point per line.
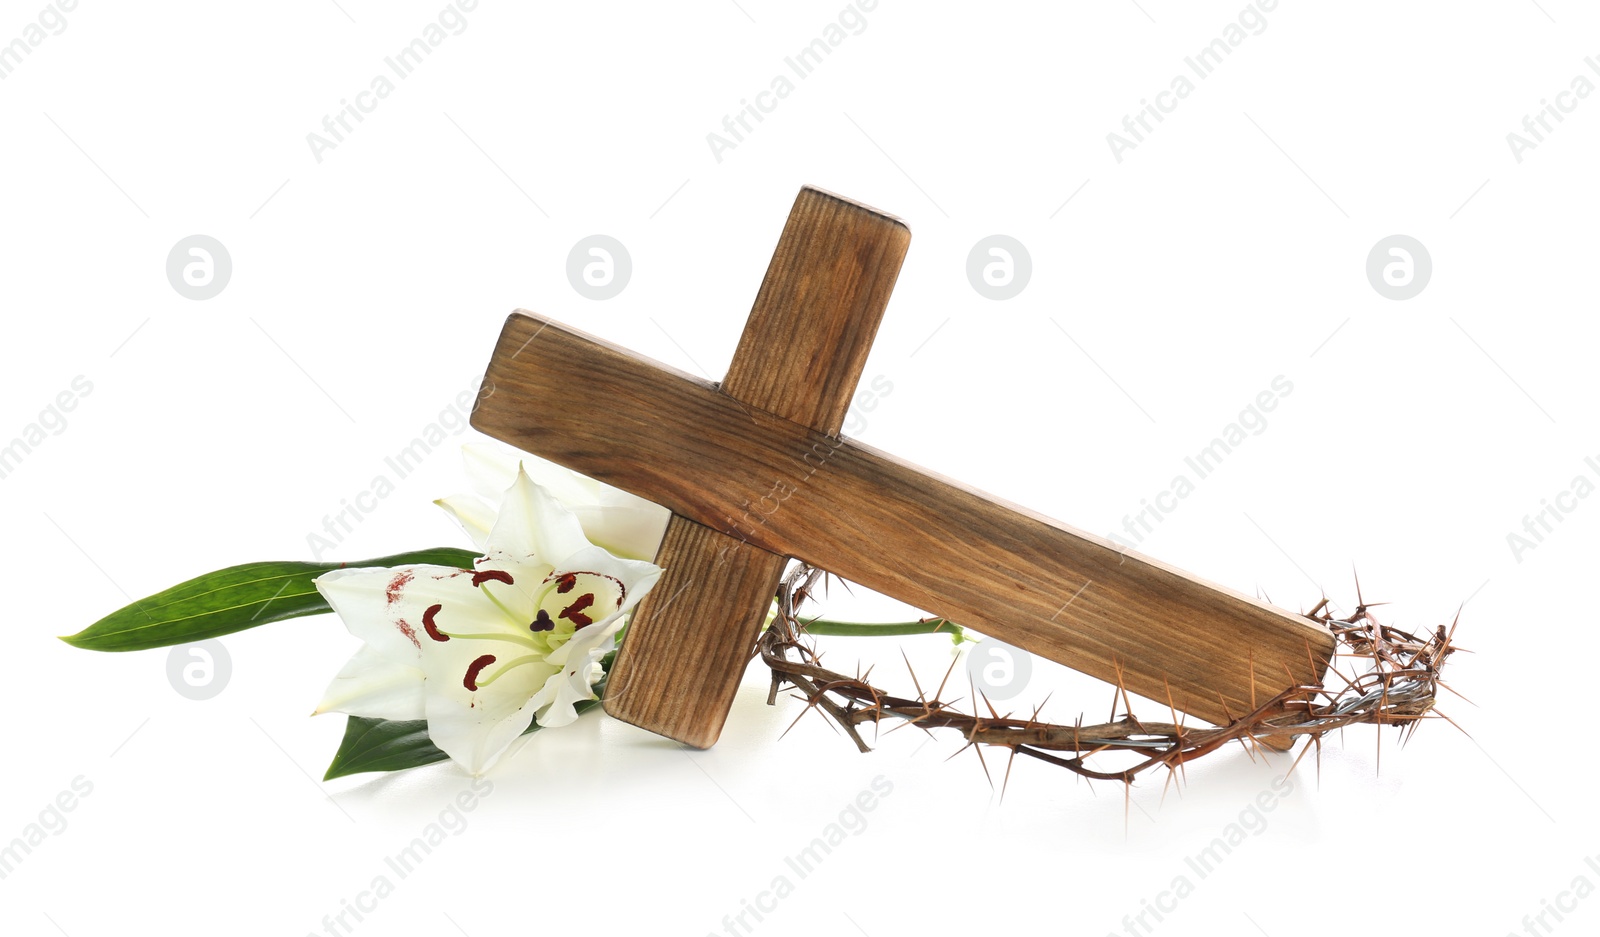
1396	683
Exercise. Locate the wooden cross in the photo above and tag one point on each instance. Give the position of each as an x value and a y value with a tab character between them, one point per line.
754	472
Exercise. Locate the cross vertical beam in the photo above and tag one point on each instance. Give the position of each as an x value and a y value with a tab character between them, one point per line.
800	357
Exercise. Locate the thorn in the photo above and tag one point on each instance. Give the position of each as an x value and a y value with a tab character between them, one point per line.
911	670
939	693
990	705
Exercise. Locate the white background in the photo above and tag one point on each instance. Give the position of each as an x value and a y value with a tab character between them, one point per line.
1168	289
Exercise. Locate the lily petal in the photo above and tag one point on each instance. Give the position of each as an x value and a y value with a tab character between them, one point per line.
532	523
358	597
474	516
492	469
630	531
386	607
623	523
374	686
474	727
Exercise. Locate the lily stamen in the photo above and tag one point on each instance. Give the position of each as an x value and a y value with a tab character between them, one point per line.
511	618
430	624
504	669
562	583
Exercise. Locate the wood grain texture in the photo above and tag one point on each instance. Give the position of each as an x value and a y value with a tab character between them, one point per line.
700	623
1028	580
804	344
820	304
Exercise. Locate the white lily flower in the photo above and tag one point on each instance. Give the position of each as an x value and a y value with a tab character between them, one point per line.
626	525
480	653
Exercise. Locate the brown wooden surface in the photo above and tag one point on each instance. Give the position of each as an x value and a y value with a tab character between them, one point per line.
813	322
698	624
804	345
894	528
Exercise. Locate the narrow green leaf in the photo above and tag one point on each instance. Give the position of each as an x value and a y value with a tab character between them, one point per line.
394	745
233	599
871	629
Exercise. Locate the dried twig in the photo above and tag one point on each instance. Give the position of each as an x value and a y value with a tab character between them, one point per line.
1396	685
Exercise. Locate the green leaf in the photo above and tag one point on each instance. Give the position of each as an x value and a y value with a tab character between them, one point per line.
394	745
233	599
383	745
